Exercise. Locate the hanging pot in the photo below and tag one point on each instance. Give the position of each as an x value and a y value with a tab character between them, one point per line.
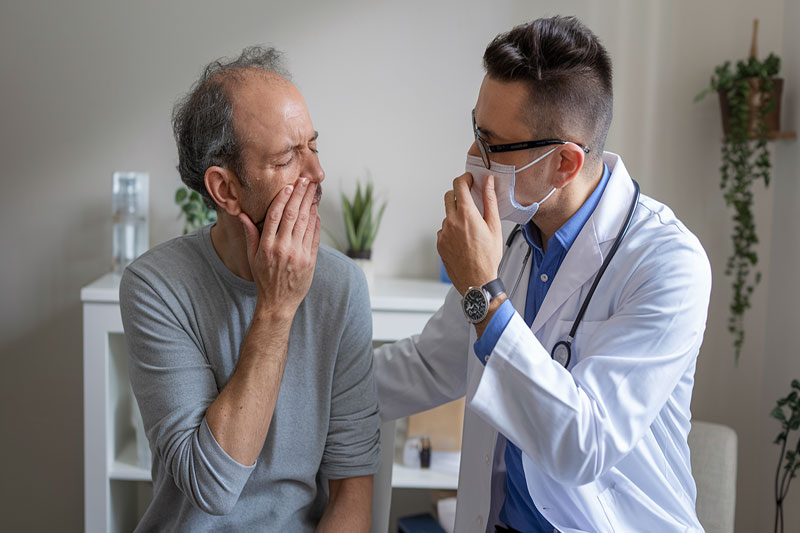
754	99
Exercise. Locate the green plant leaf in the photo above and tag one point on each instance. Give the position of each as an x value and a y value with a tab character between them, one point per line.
180	195
375	227
363	230
348	223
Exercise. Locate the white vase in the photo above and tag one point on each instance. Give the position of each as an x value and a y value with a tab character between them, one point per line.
369	271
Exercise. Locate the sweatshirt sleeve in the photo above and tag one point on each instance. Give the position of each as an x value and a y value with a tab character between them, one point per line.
352	446
174	385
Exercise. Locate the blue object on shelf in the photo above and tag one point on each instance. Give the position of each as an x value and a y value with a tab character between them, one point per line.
421	523
443	277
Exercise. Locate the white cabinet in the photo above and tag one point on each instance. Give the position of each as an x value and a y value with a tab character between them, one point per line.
114	494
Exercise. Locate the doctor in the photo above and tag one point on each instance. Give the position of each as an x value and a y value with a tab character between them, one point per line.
577	397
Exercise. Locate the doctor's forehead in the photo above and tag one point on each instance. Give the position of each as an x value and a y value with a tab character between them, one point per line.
500	111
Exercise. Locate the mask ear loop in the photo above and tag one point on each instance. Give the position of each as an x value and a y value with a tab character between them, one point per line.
536	160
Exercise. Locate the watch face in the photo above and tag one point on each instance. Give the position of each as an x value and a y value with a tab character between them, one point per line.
475	304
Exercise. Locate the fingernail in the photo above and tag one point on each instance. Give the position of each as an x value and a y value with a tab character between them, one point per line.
303	181
288	189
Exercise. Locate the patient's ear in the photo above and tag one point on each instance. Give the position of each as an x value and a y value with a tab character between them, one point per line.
224	188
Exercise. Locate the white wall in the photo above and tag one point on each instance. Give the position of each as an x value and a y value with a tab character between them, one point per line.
87	88
781	360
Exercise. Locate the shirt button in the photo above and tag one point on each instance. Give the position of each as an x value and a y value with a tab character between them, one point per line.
485	358
479	520
486	458
544	277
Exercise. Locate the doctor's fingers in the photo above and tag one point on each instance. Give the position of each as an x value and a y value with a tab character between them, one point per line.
463	198
450	206
491	212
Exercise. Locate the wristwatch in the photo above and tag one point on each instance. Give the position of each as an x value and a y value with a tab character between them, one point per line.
476	300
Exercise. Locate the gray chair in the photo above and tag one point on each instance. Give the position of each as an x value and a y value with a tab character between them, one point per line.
713	457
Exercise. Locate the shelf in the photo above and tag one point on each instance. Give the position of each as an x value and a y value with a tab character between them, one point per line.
416	295
103	290
125	466
404	477
389	294
782	135
773	136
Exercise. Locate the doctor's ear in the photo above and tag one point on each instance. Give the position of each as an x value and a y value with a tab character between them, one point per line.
570	162
224	188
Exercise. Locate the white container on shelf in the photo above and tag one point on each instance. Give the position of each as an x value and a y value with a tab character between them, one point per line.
129	203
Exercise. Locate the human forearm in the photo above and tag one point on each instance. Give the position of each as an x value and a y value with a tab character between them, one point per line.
240	417
281	259
349	506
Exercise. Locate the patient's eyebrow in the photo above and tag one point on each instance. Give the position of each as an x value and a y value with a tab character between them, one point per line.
290	147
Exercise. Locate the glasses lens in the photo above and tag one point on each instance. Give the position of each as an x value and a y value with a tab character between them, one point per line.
484	152
481	144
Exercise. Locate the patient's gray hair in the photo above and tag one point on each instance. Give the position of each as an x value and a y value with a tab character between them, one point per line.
202	120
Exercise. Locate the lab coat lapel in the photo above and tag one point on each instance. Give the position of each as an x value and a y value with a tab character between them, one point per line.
516	256
585	256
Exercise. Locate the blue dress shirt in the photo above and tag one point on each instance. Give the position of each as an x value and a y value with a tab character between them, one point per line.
518	510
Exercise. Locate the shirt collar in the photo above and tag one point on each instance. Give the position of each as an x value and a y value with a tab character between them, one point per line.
568	232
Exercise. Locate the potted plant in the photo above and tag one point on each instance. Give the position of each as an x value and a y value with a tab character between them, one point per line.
361	226
749	97
788	460
193	210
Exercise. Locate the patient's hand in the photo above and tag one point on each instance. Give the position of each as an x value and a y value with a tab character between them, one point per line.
283	257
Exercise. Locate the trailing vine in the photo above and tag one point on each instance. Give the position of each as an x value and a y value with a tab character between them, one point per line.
745	160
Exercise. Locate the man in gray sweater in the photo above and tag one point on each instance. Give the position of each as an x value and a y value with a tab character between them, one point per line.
249	343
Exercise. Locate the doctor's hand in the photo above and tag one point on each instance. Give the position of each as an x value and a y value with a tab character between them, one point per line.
470	246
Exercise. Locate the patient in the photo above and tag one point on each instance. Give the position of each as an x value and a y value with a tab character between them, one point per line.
250	344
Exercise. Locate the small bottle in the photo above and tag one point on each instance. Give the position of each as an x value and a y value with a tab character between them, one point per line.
425	452
129	204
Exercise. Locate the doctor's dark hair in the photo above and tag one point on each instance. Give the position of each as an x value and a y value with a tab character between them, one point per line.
202	121
568	74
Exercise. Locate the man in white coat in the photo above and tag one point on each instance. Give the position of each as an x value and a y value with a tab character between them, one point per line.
566	428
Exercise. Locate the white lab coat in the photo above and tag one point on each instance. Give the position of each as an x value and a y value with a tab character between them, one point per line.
604	442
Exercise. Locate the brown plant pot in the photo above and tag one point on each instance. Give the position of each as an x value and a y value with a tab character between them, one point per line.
362	254
773	118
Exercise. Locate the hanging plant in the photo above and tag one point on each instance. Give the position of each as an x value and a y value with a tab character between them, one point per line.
749	97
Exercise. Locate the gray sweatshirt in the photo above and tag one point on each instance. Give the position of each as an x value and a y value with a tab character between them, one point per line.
185	317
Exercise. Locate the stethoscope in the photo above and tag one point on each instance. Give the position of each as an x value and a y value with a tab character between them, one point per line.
562	350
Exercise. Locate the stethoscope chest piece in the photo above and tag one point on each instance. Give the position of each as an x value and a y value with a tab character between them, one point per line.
562	352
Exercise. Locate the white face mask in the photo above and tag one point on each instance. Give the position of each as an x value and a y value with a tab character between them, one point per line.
504	181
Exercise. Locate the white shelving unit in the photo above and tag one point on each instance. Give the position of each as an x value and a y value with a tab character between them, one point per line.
112	477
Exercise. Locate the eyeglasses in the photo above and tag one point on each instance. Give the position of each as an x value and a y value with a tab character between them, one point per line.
485	148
